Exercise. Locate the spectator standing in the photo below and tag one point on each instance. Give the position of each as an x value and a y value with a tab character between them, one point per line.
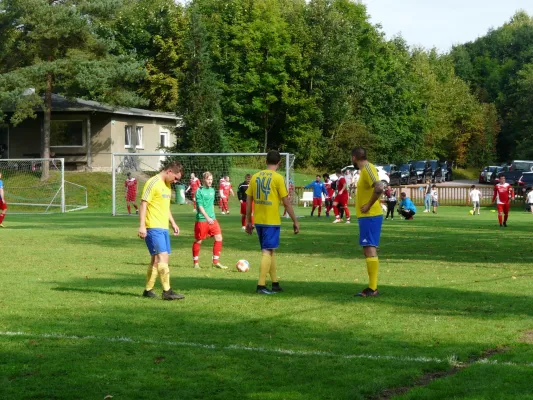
427	196
390	194
434	198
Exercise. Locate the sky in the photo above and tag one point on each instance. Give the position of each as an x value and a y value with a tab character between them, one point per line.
442	23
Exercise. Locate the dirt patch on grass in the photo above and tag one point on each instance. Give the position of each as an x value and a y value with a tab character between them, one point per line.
429	377
527	337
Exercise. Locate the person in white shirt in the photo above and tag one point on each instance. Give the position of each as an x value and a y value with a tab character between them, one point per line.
529	200
434	198
475	198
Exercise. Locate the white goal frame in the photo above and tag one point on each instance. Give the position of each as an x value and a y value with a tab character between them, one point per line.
285	156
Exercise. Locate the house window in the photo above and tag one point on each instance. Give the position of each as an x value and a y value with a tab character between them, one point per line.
163	139
66	133
127	136
139	144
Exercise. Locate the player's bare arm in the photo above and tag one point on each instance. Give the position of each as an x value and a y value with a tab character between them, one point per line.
207	217
175	227
290	211
379	188
142	219
249	226
221	193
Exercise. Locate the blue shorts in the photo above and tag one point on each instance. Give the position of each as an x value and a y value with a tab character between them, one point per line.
157	240
268	236
370	230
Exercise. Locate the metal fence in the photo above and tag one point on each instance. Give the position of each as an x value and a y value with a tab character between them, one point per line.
448	195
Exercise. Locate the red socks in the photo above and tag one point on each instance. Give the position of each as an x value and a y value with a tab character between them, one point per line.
500	219
2	216
129	209
217	248
195	252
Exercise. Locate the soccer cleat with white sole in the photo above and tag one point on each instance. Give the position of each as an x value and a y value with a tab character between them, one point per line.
219	266
337	221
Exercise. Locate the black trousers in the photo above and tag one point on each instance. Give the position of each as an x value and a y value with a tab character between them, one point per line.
390	208
406	213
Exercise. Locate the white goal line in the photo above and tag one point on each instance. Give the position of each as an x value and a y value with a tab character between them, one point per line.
451	360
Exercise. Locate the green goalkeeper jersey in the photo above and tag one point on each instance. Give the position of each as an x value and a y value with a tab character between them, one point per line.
205	197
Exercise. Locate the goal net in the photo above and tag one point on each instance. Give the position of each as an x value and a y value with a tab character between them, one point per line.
26	192
142	166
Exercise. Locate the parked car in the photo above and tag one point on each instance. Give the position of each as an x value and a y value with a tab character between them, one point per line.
382	175
408	174
394	173
511	177
447	172
436	171
525	182
513	171
423	169
486	173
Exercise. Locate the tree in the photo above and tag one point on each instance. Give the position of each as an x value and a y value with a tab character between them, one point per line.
202	127
60	52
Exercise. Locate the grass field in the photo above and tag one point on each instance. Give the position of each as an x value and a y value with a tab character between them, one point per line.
454	319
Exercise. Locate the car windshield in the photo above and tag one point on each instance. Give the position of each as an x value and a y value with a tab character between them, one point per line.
420	165
387	168
527	178
434	165
404	168
523	166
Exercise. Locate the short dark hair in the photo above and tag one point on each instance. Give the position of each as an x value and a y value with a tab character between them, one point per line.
501	175
472	187
433	186
325	176
403	194
128	174
338	171
247	176
318	176
359	153
273	157
175	166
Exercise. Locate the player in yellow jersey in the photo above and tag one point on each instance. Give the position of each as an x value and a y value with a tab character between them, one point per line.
267	188
155	216
369	216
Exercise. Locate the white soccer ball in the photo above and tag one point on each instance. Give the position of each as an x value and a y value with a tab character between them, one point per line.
242	266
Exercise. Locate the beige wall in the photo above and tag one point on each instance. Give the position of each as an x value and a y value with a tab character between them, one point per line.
107	136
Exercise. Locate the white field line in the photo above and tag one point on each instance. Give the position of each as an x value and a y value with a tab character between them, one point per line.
451	360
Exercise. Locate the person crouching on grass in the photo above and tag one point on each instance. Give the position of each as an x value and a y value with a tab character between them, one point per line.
406	207
206	225
154	217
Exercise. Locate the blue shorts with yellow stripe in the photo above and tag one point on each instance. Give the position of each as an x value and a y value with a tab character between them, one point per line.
268	236
370	230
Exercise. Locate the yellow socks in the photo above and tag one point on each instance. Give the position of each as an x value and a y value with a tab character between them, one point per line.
164	275
273	274
151	276
266	262
372	266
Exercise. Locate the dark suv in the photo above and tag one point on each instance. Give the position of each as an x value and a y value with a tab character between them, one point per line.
436	171
394	173
423	169
524	182
408	174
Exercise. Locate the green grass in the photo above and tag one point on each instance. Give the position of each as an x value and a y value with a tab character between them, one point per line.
466	173
453	286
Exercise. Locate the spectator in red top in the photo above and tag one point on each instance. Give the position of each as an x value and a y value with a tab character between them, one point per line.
130	186
503	192
225	189
194	184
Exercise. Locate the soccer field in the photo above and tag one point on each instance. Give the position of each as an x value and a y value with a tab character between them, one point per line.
454	319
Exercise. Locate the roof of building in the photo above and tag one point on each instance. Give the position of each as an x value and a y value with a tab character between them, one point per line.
61	103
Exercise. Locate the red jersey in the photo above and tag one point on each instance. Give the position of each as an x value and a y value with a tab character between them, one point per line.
329	189
194	184
225	187
131	186
503	193
341	184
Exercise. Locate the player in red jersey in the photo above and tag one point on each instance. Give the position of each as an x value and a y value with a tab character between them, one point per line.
341	199
331	193
194	184
503	192
130	186
225	189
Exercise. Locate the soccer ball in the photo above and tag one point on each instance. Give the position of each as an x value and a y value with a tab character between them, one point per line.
471	212
242	266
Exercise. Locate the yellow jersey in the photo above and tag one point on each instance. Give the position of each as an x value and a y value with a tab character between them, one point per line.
368	176
157	194
267	188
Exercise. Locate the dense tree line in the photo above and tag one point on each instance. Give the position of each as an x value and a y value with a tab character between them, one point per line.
312	78
499	70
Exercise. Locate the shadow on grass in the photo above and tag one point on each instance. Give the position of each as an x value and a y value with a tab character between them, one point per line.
93	290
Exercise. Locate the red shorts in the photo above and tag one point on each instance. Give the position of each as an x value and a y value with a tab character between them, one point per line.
317	201
243	208
3	205
503	208
131	196
202	230
342	199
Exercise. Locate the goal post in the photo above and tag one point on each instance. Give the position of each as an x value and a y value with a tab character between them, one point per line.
27	193
142	166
